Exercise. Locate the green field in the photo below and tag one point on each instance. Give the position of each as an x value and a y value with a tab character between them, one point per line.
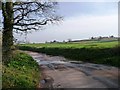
84	44
88	51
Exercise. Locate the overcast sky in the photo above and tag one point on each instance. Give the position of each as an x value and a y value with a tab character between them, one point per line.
81	20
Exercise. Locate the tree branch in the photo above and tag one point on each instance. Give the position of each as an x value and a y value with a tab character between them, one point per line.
33	14
26	29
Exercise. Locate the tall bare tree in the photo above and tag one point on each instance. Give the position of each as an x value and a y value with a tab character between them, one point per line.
24	16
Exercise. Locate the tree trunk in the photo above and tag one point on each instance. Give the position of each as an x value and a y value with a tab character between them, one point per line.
7	37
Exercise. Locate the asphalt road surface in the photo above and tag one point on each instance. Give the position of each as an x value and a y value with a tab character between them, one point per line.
59	72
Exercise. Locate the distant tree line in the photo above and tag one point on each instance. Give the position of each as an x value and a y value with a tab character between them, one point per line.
92	38
100	37
64	41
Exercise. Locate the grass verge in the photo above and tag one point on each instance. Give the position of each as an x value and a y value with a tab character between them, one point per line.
21	72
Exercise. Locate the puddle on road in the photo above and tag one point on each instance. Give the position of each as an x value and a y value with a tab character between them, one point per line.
53	62
58	63
49	60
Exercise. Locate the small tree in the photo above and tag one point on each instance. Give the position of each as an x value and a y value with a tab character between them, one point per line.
54	41
112	36
92	38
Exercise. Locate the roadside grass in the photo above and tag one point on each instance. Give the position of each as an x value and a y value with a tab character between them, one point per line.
21	72
99	52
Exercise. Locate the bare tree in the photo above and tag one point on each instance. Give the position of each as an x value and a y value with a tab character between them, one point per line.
25	16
